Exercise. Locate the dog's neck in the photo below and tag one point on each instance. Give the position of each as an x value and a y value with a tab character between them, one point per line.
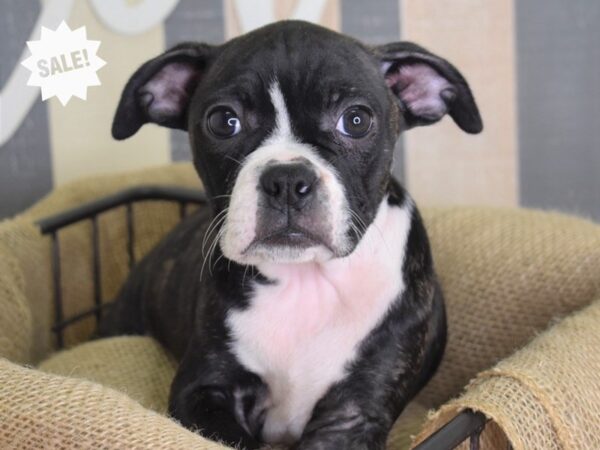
318	311
360	274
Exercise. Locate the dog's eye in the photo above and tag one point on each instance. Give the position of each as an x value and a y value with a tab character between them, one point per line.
355	122
223	122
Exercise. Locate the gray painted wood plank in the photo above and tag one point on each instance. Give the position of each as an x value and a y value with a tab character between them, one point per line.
558	60
25	164
193	20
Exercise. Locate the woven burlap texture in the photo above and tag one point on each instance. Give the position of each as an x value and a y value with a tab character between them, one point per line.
506	275
140	368
42	411
546	395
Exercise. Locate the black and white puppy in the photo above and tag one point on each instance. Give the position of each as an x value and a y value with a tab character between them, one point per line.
303	306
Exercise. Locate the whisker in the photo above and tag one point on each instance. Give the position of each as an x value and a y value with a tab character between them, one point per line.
213	245
209	228
364	226
233	159
214	224
215	236
218	259
244	277
208	256
355	230
361	223
202	268
213	248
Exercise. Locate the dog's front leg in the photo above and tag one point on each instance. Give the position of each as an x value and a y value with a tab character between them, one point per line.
221	401
344	427
396	360
356	414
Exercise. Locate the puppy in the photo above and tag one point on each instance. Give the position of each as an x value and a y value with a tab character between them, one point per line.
303	304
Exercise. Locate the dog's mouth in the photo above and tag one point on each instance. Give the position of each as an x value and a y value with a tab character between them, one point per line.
289	237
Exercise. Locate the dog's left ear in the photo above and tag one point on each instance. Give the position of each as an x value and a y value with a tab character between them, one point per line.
428	87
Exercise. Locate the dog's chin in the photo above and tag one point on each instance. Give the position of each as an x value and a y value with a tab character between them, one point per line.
286	254
285	247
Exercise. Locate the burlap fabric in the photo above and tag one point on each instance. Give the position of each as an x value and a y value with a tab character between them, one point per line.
141	368
506	274
545	396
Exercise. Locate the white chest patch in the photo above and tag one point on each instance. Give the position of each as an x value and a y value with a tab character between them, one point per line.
299	333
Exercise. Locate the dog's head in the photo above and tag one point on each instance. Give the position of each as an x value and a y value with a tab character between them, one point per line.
293	128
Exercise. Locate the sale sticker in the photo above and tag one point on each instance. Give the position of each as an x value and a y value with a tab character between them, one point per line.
63	63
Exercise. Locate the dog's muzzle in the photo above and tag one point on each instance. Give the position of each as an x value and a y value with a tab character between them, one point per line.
292	207
287	205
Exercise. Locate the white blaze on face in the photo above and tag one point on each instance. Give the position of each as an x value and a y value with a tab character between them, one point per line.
240	225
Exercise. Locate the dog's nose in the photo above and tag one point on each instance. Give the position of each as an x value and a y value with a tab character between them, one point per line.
289	184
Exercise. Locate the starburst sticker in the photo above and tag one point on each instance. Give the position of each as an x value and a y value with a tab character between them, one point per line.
63	63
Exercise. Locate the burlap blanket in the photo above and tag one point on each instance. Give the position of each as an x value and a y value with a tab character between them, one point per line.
507	275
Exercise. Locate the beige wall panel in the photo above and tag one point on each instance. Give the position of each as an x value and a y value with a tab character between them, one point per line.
80	131
443	164
331	15
283	9
232	22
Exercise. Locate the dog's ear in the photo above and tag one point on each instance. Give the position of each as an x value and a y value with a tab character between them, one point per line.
428	87
160	90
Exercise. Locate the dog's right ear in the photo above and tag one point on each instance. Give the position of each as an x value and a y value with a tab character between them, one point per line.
428	87
160	90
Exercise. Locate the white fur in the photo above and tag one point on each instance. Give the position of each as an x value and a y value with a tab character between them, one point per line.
283	126
240	224
300	332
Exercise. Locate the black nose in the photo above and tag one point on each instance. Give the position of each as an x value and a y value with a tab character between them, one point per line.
289	184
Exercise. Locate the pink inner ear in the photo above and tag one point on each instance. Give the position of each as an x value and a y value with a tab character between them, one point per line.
170	90
420	88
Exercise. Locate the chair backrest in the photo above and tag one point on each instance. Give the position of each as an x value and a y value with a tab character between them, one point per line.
134	203
28	310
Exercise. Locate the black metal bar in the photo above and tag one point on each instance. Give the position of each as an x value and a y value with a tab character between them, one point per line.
73	215
182	209
97	268
475	440
454	432
130	235
58	310
77	317
51	225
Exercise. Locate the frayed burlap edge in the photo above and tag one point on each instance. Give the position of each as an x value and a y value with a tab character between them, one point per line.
44	411
545	396
502	428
